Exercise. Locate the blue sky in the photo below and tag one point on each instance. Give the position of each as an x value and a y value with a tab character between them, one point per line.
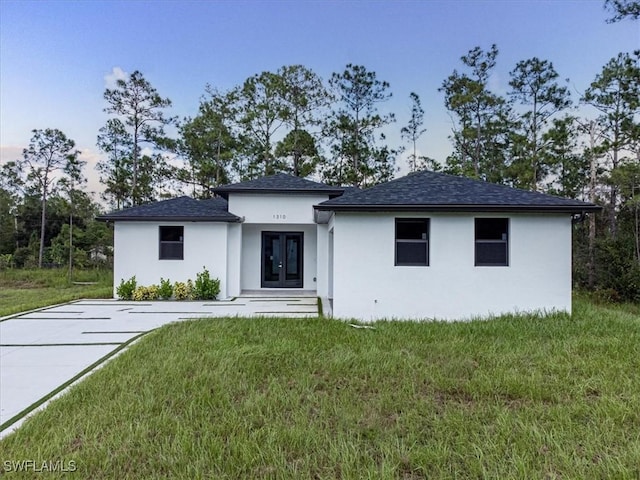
56	57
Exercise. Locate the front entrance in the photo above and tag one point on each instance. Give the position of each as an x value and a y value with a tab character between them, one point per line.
282	259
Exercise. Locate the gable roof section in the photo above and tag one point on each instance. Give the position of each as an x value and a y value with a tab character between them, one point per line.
181	209
431	191
279	183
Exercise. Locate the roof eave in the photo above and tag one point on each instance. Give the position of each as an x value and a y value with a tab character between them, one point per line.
224	193
461	208
166	218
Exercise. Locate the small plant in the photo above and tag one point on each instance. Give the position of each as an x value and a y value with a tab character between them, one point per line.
153	292
127	288
165	290
206	288
182	290
141	293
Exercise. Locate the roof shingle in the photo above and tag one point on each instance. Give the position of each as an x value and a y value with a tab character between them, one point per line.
177	209
431	191
280	183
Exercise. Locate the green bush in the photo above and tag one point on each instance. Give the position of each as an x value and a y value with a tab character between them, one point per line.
127	288
205	287
165	290
6	261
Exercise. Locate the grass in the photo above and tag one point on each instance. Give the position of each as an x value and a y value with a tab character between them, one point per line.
517	397
22	290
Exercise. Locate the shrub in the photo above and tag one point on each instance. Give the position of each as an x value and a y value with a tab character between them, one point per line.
6	261
153	292
165	290
126	289
206	288
182	290
140	293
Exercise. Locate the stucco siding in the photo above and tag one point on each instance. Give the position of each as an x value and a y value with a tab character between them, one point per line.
137	253
367	284
275	208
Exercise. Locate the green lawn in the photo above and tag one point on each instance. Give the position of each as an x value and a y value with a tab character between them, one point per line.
516	397
22	290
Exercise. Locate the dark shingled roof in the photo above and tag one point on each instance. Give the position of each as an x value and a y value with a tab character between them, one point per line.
430	191
179	209
279	183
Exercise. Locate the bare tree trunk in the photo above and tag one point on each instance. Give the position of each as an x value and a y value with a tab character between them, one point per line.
593	170
534	135
636	218
356	158
71	243
43	219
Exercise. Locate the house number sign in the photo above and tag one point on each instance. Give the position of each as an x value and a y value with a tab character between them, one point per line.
279	216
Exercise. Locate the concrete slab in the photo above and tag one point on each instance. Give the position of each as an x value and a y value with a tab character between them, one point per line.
41	351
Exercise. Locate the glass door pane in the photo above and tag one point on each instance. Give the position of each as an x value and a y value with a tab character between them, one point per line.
293	258
271	258
282	258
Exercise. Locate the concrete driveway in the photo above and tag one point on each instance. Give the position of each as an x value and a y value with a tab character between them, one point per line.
43	352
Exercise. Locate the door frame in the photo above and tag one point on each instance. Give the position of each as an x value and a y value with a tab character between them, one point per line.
282	282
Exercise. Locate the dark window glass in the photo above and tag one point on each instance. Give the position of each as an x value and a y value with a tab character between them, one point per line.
412	241
492	242
410	229
171	243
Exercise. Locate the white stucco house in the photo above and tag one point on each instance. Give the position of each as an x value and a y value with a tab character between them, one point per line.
427	245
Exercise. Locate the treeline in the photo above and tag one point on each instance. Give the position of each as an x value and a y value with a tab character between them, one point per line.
290	120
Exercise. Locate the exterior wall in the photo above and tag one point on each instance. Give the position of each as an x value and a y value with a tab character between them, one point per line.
367	285
252	247
275	213
234	259
322	284
136	246
275	209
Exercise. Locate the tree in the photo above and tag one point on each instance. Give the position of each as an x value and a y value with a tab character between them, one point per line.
141	109
413	131
534	85
71	184
621	9
353	129
568	170
116	171
12	191
208	144
627	179
299	152
615	93
50	153
304	97
481	119
262	113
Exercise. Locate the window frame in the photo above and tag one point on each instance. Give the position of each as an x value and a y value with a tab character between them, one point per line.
172	242
427	241
506	242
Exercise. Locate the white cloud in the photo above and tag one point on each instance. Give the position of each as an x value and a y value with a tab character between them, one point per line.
93	181
116	74
10	153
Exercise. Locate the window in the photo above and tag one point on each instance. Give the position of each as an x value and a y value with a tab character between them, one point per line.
171	243
492	242
412	241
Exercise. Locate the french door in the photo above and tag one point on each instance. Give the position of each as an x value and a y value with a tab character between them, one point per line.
282	259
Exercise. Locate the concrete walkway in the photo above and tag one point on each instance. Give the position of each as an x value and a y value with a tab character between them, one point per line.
44	351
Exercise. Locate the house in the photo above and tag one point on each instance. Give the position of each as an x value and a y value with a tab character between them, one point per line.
427	245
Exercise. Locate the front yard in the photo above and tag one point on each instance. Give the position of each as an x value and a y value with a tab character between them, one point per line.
516	397
23	289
